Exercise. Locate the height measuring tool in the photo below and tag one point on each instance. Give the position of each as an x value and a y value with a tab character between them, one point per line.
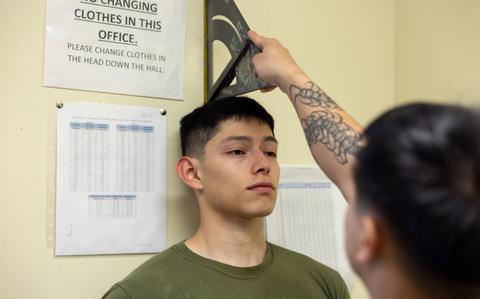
225	23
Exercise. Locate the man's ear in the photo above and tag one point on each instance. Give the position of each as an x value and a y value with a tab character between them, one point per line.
187	170
371	239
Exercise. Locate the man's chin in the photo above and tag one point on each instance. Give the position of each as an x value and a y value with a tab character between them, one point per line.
260	209
264	213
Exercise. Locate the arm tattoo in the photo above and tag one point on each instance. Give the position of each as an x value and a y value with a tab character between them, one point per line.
326	126
329	129
313	96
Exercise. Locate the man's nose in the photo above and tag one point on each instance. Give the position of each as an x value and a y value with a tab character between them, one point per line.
261	163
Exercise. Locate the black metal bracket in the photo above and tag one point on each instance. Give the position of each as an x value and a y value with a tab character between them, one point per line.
242	50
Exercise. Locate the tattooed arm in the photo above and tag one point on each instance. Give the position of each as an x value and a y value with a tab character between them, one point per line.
333	136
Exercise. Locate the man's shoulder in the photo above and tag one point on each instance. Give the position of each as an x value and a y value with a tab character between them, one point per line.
157	268
310	272
302	262
298	257
160	262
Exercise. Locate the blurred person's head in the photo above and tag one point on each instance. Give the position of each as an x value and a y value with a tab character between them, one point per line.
416	215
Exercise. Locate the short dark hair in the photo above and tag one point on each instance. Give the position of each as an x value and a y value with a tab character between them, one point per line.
199	126
420	171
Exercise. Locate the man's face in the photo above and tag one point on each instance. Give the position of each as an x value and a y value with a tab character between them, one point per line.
239	170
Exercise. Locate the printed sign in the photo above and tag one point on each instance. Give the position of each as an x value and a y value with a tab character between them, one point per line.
118	46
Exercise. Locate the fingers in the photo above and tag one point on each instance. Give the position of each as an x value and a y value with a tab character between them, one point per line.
267	89
255	73
263	42
255	61
256	39
258	65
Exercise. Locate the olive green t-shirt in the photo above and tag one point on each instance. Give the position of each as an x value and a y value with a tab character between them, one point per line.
180	273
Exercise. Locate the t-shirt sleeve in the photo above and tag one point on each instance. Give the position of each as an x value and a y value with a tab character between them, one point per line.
341	290
116	292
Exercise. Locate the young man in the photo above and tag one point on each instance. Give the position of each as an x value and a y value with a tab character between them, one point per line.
412	180
230	162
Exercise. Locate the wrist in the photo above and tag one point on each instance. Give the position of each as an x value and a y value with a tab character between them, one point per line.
297	77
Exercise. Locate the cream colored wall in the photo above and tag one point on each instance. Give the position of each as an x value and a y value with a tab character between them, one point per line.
437	46
345	45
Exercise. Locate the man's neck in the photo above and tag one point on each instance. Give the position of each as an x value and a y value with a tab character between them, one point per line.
239	243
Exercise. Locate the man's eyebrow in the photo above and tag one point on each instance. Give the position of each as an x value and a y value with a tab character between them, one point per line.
270	139
248	139
237	138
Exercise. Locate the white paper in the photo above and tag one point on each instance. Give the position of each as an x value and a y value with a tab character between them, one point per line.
111	179
309	218
118	46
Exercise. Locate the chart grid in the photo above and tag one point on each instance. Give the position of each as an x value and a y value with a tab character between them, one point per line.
89	156
112	206
135	158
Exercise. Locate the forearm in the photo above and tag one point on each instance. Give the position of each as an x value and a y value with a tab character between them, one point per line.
333	136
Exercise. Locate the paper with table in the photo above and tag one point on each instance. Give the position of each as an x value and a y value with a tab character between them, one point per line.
111	179
309	216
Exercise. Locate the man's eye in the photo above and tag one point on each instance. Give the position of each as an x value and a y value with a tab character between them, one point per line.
236	152
271	154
